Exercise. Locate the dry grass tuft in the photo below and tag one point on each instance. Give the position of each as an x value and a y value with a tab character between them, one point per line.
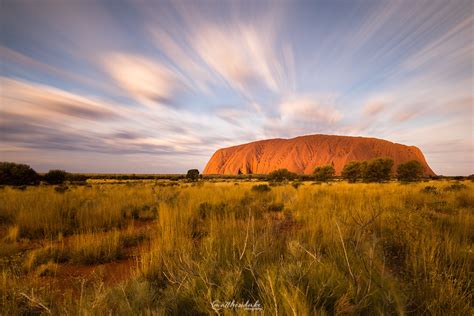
297	249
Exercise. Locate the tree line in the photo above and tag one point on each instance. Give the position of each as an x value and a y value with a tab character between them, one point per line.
21	174
376	170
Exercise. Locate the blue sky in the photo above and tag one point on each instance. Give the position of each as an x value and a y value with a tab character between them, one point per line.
157	87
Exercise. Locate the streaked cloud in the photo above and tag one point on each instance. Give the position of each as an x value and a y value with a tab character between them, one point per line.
376	105
40	101
309	109
147	81
166	83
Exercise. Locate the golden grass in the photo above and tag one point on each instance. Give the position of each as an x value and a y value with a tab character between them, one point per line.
334	248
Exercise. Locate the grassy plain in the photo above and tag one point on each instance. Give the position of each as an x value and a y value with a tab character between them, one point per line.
171	247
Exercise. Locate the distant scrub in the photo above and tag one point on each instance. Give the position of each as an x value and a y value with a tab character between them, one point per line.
281	175
17	174
55	176
192	175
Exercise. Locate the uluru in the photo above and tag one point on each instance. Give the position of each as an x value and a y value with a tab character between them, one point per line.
302	154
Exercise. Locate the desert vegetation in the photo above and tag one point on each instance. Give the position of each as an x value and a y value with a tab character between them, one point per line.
324	173
175	247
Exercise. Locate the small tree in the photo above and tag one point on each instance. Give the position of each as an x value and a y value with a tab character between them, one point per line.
377	170
410	171
192	175
17	174
280	175
352	171
324	173
55	176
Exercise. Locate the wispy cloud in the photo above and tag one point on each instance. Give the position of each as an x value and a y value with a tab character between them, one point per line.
309	109
147	81
376	105
173	81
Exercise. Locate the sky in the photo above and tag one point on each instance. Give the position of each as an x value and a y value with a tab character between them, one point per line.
157	87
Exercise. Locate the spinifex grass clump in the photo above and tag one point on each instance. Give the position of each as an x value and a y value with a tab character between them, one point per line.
40	212
456	187
261	188
88	248
342	249
96	248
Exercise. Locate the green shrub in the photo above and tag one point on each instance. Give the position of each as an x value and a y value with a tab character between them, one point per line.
296	184
410	171
192	175
377	170
352	171
456	187
261	188
55	176
324	173
430	189
276	207
281	175
17	174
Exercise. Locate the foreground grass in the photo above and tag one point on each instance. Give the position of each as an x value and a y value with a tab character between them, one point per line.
298	250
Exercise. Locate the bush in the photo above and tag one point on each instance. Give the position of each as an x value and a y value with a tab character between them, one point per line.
55	176
377	170
456	187
192	175
430	189
296	184
280	175
352	171
261	188
410	171
92	248
44	255
75	177
61	188
17	174
276	207
324	173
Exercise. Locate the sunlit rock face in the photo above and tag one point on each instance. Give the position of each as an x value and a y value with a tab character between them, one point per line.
302	154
